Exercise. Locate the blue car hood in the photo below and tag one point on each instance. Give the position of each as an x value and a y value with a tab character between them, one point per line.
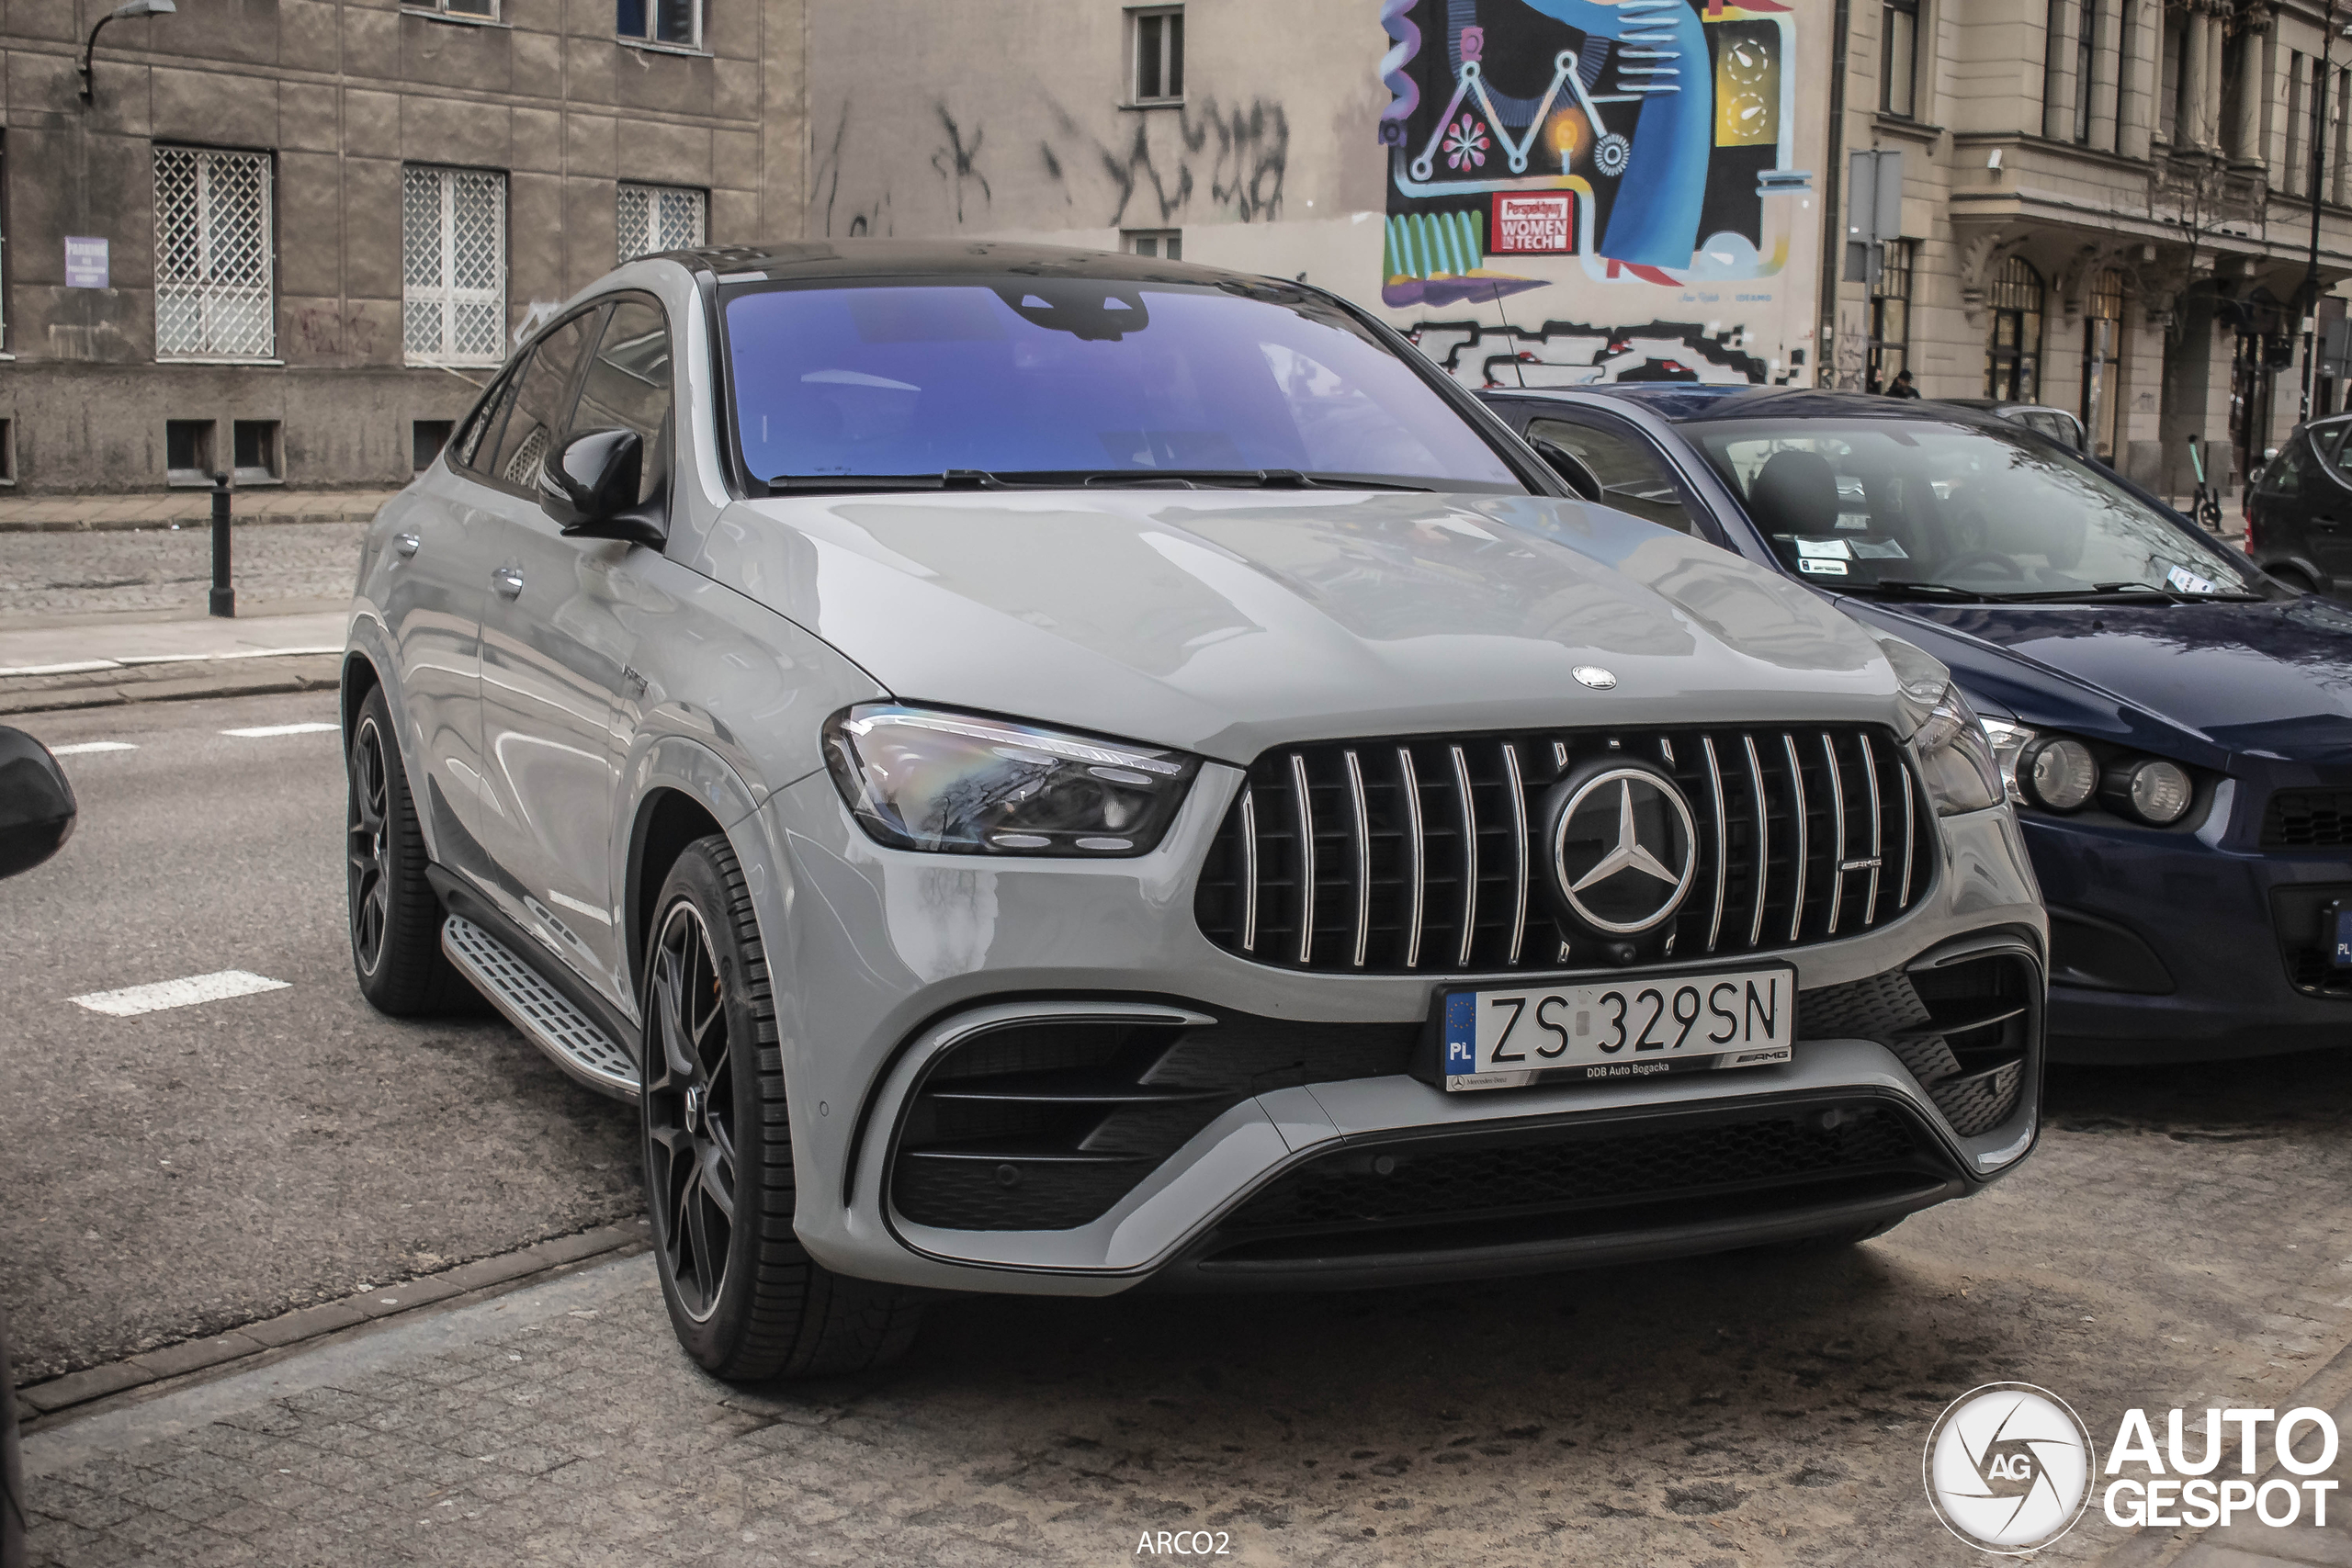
2196	682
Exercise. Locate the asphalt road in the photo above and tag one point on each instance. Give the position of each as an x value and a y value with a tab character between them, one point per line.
183	1171
2180	1237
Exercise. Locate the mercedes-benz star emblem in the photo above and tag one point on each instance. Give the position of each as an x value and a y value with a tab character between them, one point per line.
1593	675
1624	848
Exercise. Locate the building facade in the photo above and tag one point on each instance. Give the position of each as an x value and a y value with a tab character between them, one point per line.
287	239
2105	206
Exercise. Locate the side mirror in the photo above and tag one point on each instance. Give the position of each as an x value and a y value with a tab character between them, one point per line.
1569	467
589	487
36	803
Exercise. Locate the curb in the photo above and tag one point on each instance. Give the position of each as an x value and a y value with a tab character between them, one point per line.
288	672
58	1400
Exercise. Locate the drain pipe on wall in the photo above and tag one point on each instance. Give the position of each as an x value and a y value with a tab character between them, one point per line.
1833	237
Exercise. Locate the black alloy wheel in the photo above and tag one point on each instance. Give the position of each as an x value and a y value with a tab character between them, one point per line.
746	1299
395	916
370	893
689	1166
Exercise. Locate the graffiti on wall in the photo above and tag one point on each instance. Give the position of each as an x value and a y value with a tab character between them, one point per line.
1637	158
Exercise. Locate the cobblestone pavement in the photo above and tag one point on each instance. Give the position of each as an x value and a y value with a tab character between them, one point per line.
2181	1238
164	570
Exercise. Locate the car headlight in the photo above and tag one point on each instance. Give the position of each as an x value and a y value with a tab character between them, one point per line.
2149	788
1956	760
921	779
2056	772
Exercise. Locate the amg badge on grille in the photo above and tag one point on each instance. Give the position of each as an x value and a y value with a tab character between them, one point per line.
1623	845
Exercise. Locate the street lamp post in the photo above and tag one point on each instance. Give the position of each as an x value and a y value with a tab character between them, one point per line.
127	11
2319	187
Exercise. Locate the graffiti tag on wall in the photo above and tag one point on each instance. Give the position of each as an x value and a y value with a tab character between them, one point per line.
1640	154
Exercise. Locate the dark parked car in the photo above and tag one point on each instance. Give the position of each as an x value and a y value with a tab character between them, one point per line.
2174	725
2298	510
35	818
2057	423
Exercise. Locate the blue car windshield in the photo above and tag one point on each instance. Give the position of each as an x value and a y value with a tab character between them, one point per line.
1083	380
1985	512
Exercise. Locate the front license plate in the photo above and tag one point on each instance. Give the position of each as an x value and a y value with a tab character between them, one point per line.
1505	1038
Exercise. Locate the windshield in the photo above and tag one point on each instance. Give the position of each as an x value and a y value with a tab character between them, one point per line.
1089	381
1909	506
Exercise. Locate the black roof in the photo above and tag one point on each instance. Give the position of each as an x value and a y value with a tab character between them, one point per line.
818	259
1685	402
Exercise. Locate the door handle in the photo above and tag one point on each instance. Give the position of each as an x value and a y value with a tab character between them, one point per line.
508	581
407	543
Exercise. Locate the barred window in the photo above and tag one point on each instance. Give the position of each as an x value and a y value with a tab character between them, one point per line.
215	269
453	235
660	218
2013	347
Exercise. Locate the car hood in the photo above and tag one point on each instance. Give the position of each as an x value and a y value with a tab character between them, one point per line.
1225	621
2200	682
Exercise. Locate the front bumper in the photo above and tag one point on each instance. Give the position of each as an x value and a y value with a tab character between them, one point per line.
2177	947
885	961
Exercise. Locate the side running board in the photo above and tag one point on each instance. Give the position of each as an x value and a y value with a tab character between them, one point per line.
538	1009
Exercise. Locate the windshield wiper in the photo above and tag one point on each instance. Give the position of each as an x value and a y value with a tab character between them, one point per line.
2100	590
1056	478
1908	588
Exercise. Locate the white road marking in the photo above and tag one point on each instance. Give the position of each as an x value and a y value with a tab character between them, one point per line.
264	731
132	1000
79	747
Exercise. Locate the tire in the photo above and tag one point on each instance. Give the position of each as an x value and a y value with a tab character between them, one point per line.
746	1299
393	916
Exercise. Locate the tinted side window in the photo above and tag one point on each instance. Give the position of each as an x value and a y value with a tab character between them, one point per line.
2285	475
1632	477
542	403
2329	439
479	440
627	384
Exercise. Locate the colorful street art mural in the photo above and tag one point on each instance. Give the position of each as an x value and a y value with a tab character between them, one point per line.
1630	167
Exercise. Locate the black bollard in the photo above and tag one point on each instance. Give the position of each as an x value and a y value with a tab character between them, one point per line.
224	598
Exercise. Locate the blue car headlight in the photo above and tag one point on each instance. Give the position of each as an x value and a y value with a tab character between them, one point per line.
1956	760
959	783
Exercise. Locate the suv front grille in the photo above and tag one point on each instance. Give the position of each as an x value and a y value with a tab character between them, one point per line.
2308	819
1423	855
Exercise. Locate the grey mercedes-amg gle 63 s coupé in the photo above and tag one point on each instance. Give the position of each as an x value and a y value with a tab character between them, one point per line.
1060	773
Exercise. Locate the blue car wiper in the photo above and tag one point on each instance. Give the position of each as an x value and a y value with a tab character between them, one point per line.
1905	587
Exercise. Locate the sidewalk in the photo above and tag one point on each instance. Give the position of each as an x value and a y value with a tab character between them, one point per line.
78	514
67	666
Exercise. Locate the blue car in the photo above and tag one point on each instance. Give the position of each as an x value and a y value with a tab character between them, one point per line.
2176	726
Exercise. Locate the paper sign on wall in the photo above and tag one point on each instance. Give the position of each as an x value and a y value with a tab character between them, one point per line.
85	262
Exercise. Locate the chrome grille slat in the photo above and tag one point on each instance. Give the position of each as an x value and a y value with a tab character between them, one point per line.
1515	794
1248	869
1796	785
1359	841
1838	820
1723	840
1910	841
1416	857
1878	853
1469	854
1392	875
1305	808
1763	840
